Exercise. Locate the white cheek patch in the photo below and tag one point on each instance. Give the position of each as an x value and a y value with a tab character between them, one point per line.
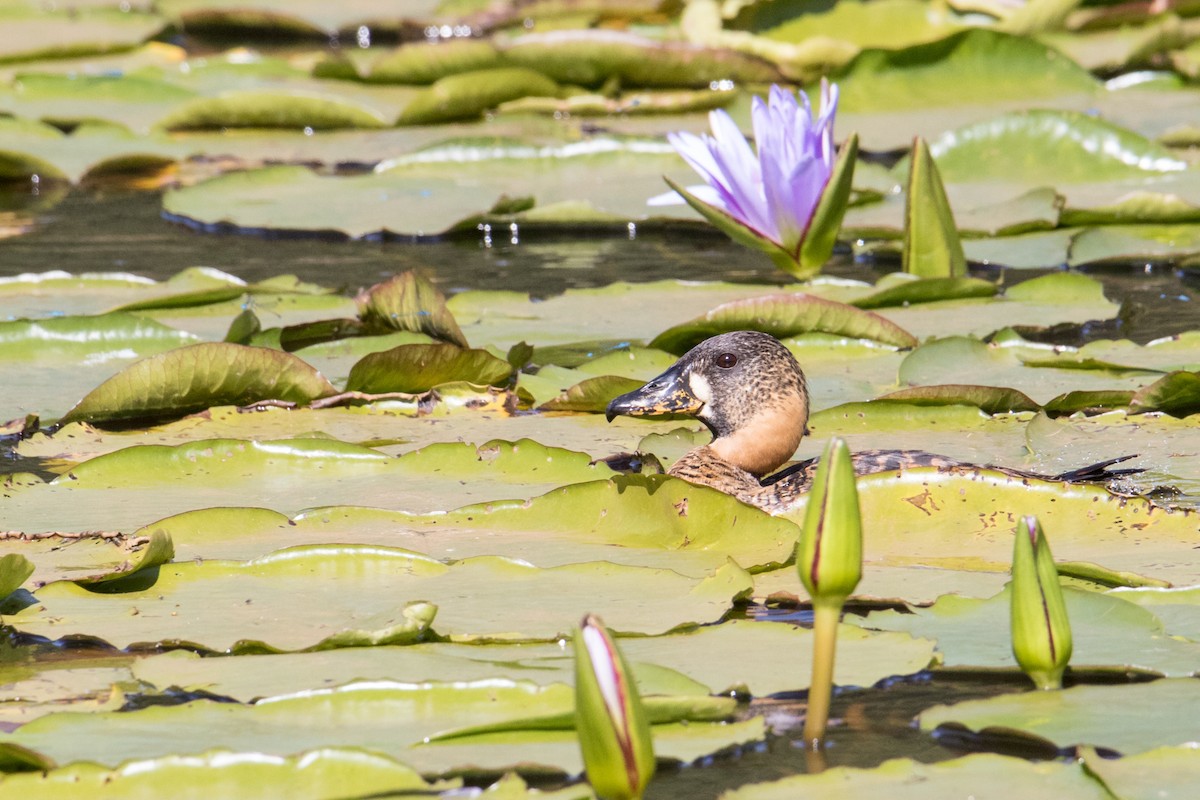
700	388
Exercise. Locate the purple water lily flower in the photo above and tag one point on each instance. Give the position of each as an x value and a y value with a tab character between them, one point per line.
776	191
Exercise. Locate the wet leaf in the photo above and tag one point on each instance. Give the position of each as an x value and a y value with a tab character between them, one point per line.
199	376
1164	771
259	109
93	338
416	368
783	315
1177	394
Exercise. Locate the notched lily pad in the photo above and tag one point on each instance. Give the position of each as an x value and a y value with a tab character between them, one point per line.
783	315
197	377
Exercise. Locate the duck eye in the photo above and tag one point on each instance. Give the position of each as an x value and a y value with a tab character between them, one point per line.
726	360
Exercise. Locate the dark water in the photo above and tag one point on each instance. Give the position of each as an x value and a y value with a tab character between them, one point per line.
101	231
124	231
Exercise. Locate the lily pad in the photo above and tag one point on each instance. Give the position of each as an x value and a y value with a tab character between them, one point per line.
87	558
392	719
323	774
1110	634
198	376
784	315
261	109
335	596
1094	715
416	368
31	33
409	302
975	776
714	656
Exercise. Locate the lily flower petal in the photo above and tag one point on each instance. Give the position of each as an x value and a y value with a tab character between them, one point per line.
774	193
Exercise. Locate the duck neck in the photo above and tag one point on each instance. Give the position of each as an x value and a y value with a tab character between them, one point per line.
767	440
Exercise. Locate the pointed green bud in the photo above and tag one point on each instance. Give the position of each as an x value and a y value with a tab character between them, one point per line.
614	732
932	247
1041	632
829	555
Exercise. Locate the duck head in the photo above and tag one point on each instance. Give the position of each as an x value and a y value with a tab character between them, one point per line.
744	386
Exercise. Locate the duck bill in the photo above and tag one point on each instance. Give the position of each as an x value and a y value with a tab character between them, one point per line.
669	393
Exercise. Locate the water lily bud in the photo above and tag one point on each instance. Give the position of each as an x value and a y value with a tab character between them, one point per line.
1041	631
829	555
614	732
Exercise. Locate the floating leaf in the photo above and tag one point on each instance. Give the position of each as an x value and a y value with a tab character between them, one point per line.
85	558
344	595
322	774
15	569
903	779
467	95
783	315
196	377
926	290
989	399
1095	715
416	368
1177	394
93	338
1110	635
426	62
591	394
259	109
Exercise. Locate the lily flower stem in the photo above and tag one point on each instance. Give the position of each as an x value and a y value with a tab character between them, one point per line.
826	616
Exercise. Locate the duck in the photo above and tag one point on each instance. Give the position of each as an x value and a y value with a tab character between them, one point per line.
748	389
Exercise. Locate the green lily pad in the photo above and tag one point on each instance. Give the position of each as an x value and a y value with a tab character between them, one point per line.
591	57
890	24
94	338
323	774
91	151
591	394
356	601
262	109
418	196
1043	146
198	376
981	776
652	522
784	315
1165	772
15	569
712	658
392	719
1095	715
467	95
1177	393
87	558
1175	607
1134	243
925	290
936	520
989	399
414	368
426	62
1110	634
30	33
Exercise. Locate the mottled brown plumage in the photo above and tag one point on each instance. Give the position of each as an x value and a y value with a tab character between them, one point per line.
747	388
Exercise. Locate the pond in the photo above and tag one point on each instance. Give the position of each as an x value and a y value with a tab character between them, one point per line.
307	349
